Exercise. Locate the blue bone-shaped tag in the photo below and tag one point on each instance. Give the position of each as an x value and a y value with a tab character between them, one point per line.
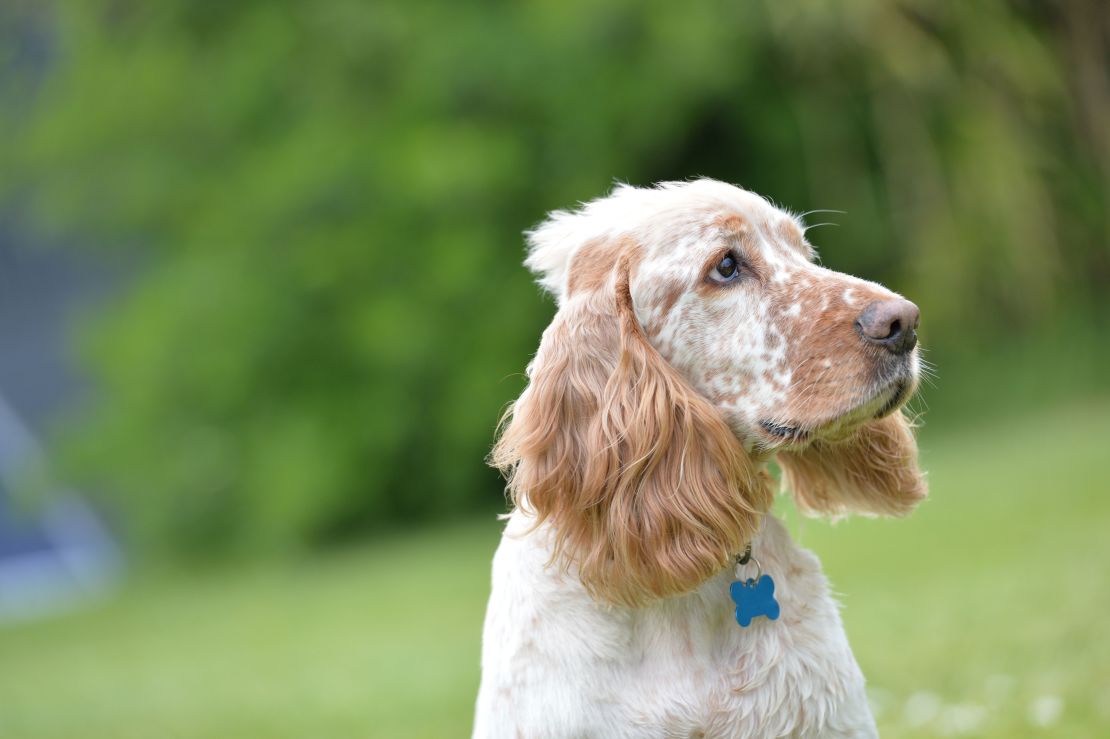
754	598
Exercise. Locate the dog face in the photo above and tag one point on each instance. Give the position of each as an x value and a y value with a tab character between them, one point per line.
788	351
695	337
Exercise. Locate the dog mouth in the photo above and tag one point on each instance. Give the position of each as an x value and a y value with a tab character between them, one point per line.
881	404
899	394
789	434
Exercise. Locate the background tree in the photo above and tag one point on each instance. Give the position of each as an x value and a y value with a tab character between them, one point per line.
326	199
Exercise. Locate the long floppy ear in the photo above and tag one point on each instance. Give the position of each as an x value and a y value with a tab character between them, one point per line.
647	490
873	471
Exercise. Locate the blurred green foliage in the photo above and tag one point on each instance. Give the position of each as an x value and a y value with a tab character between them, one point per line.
326	201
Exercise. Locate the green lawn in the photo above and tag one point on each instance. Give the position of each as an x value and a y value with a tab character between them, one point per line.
984	614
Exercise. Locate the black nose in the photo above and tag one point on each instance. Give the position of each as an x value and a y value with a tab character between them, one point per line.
892	324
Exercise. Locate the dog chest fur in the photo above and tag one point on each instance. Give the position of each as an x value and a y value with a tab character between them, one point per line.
556	663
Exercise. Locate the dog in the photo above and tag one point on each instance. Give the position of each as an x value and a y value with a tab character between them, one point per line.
696	340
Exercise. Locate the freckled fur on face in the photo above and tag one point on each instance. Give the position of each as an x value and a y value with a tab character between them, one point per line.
791	234
779	345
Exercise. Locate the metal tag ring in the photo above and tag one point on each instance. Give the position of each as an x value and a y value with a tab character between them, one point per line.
758	569
745	558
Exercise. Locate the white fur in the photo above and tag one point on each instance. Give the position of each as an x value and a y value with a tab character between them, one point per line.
556	663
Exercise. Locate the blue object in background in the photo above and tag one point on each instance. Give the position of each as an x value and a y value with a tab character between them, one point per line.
55	549
53	553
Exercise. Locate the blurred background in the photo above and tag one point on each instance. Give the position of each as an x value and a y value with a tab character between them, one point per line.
262	303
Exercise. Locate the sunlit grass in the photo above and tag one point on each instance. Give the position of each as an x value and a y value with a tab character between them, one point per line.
983	614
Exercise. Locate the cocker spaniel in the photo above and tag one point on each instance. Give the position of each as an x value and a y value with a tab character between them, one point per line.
695	341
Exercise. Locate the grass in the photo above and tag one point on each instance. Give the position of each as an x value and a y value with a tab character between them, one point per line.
983	614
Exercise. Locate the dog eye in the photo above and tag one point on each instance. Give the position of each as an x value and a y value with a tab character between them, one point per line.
727	270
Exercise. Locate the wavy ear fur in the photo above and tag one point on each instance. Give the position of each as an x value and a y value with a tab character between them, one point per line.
647	490
873	471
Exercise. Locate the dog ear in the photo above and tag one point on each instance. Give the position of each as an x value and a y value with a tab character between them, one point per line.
646	489
874	471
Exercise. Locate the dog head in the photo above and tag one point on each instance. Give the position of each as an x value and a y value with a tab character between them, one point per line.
696	337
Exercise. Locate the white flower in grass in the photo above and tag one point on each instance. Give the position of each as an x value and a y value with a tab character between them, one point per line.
1045	710
921	708
961	719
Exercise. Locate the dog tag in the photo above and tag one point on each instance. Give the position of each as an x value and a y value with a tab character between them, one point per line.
754	597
